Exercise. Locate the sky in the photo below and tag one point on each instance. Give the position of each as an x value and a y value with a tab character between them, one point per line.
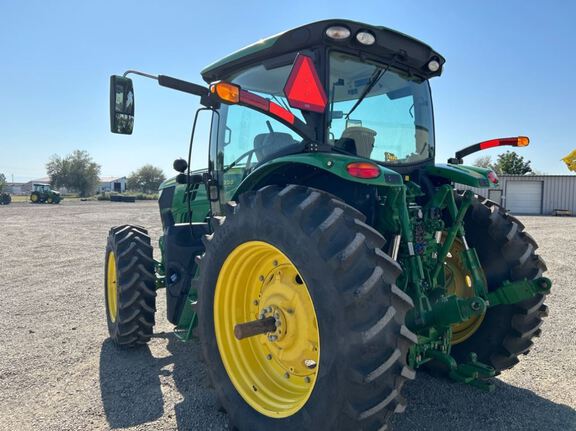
507	73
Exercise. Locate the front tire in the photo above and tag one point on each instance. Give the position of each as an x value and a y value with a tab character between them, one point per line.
357	310
129	285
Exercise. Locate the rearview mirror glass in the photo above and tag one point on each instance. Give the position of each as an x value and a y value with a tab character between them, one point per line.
121	105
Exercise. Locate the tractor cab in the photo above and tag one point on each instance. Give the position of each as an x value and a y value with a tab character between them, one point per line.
336	87
42	188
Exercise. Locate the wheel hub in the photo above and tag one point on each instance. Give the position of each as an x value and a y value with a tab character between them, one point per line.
284	296
273	371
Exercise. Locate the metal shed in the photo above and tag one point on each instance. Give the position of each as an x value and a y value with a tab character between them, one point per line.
533	194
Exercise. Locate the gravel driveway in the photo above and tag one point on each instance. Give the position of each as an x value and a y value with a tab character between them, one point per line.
58	371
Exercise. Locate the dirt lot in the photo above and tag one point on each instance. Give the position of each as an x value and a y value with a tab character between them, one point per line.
58	371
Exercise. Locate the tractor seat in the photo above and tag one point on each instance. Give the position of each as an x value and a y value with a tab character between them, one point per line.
363	138
267	144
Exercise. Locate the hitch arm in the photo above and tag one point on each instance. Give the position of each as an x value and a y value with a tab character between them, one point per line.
517	291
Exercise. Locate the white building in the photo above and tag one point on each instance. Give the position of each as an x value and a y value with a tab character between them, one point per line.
112	184
533	194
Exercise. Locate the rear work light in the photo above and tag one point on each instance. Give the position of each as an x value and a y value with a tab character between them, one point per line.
365	38
338	32
363	170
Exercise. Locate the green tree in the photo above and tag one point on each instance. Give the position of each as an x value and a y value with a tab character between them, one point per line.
511	163
2	181
147	179
483	162
76	171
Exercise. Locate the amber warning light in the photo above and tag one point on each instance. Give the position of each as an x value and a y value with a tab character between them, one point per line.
232	94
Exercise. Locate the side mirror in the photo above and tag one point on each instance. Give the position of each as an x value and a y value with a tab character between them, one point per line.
121	105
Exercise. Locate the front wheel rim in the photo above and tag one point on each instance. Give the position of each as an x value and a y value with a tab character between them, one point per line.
275	373
111	287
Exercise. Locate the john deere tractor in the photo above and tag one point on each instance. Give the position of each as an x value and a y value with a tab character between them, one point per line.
323	255
5	198
42	193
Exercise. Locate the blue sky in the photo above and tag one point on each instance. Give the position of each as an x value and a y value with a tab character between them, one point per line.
507	73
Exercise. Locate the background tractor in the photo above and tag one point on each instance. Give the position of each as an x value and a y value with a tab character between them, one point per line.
324	255
42	193
5	198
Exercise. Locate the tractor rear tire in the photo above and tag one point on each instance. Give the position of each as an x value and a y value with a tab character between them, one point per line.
35	198
506	252
358	310
129	286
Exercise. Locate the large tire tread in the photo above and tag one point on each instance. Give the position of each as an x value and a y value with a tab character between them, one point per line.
136	285
374	339
506	252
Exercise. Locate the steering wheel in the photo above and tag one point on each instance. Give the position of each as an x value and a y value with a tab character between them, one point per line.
248	154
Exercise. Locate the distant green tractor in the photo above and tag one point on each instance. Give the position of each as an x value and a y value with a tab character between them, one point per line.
5	198
324	255
42	193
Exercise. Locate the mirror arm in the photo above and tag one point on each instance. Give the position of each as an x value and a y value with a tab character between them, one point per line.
180	85
136	72
185	86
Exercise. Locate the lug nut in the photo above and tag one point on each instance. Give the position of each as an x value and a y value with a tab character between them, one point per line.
261	278
269	356
307	379
287	375
275	263
310	364
272	338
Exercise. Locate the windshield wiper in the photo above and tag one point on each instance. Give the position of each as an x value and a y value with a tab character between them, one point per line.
376	76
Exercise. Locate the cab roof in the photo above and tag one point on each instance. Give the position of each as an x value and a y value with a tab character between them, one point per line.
390	45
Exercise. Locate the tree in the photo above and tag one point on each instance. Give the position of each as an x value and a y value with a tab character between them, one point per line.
76	171
483	162
147	179
2	182
511	163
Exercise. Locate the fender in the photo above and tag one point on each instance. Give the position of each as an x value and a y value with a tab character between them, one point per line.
331	163
472	176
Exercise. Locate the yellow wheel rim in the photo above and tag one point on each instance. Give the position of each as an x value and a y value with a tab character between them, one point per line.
34	198
111	287
459	283
276	372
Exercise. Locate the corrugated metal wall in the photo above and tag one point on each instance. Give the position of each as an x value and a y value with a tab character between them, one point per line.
559	191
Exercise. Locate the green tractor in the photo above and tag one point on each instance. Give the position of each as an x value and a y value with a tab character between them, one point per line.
324	256
5	198
42	193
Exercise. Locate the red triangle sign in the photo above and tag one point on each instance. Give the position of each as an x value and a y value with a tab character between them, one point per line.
303	88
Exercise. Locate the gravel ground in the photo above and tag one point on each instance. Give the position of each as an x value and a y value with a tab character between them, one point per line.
58	370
